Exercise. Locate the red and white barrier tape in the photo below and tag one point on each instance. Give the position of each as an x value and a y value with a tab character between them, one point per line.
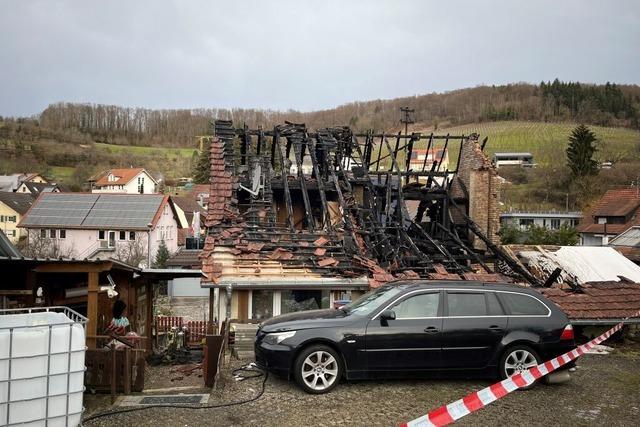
448	414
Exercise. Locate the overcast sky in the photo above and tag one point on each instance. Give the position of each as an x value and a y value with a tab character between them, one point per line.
302	55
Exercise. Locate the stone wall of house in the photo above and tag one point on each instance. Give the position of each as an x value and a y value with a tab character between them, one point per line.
190	308
477	188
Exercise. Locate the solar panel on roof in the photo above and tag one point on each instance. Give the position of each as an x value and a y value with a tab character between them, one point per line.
94	210
60	209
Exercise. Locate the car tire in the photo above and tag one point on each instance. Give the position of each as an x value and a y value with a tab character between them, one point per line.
318	369
517	359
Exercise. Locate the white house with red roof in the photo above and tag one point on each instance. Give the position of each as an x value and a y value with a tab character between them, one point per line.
130	181
121	226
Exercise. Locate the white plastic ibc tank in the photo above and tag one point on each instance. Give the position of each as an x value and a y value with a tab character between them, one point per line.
41	368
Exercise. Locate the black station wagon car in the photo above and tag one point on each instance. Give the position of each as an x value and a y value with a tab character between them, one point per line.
415	329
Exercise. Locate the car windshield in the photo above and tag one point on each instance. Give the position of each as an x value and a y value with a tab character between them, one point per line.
372	300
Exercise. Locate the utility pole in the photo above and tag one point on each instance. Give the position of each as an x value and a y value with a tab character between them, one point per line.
407	118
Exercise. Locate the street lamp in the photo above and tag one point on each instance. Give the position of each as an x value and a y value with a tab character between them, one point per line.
149	226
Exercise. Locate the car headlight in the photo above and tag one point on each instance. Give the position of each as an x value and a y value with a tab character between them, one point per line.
278	337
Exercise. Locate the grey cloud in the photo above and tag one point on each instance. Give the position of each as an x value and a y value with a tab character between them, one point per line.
300	54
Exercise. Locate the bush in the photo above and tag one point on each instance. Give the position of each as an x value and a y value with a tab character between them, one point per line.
535	235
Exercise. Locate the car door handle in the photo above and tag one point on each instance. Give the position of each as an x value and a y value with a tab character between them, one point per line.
431	330
495	328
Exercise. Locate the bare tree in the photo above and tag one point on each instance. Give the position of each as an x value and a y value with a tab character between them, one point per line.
36	246
133	253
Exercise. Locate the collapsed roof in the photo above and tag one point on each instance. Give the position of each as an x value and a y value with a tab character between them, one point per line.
289	202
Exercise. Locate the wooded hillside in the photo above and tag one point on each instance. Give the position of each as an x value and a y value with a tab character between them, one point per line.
604	105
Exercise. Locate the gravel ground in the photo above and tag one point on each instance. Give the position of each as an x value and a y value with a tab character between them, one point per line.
171	376
605	391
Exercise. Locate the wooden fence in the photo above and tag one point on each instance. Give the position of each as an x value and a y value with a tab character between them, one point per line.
196	329
115	371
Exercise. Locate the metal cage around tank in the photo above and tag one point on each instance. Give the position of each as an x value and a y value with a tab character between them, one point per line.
32	395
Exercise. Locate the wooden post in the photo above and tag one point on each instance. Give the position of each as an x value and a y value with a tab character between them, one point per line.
127	371
92	308
114	373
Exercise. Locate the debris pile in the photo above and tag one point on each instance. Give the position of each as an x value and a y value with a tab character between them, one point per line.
289	202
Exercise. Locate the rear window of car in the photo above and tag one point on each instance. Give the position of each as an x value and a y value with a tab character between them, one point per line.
522	305
493	305
466	304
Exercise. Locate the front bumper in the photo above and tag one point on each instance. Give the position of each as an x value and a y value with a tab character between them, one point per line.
277	359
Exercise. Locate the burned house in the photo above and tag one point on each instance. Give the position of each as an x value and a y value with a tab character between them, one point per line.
298	219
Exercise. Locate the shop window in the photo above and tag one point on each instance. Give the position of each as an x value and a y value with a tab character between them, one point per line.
261	304
301	300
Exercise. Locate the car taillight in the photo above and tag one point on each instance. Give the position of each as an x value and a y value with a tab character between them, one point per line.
567	333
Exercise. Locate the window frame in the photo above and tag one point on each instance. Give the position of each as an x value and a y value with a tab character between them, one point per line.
43	233
409	295
60	234
443	290
446	310
505	306
122	235
104	235
52	233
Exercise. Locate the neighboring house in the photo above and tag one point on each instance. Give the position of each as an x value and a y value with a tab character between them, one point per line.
512	159
131	181
35	188
13	206
616	211
34	177
628	243
420	158
552	220
104	225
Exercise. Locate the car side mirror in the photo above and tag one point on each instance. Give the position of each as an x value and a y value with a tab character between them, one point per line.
388	315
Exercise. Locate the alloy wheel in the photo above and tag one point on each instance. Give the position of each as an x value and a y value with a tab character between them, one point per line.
519	361
319	370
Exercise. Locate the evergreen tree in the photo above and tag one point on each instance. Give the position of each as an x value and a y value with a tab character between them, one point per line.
162	256
580	152
201	171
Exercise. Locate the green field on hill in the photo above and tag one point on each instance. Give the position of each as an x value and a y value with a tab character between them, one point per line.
547	141
170	153
61	173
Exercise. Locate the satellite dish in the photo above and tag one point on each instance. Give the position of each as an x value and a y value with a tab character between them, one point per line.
256	182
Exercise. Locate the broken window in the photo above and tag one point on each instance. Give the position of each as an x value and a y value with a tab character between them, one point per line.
301	300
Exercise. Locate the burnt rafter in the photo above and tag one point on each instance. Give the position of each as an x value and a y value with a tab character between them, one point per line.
334	202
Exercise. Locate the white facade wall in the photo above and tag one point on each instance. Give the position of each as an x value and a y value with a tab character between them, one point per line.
186	287
548	222
83	243
143	178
